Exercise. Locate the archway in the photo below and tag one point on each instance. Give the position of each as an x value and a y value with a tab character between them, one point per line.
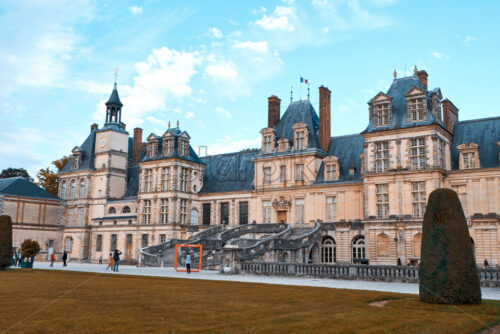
314	254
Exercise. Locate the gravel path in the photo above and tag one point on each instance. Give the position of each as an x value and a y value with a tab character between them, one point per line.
411	288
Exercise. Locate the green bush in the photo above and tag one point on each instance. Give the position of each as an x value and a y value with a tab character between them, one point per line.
30	248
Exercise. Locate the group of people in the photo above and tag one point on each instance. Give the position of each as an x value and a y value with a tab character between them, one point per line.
114	260
64	258
17	258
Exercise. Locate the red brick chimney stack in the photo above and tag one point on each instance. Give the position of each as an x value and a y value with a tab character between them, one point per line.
93	127
137	146
273	116
450	114
422	76
324	117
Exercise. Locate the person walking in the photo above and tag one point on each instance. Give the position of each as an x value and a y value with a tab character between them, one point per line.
52	259
188	264
116	258
100	259
64	258
110	262
14	258
19	258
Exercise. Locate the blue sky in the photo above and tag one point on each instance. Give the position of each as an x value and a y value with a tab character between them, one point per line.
212	64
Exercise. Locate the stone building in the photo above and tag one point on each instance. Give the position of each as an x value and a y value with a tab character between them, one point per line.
369	190
36	214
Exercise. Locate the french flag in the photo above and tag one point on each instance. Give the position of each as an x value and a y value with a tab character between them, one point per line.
302	80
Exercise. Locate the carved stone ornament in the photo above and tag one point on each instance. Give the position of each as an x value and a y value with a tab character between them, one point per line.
282	203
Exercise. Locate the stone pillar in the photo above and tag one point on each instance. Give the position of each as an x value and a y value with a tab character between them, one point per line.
5	242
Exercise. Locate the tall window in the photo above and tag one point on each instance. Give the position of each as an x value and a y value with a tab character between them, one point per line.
73	189
165	178
224	213
417	153
328	251
268	144
418	198
146	210
416	109
69	244
71	216
164	211
331	208
183	179
63	190
299	172
382	200
331	172
283	173
163	238
300	140
382	157
267	175
129	239
98	243
243	213
184	147
148	180
206	213
82	188
382	115
266	211
469	160
441	153
169	146
183	211
144	240
299	210
113	242
358	247
81	217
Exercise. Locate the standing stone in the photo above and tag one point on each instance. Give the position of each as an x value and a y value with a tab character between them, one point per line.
5	242
448	271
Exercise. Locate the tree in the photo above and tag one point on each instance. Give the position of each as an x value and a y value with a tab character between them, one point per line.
13	172
49	179
30	248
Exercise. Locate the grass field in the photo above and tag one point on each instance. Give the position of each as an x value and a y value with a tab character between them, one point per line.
38	301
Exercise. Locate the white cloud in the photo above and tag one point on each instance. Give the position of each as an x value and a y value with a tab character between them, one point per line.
223	112
223	70
384	2
135	9
228	144
254	46
261	9
278	20
157	121
437	55
468	39
214	32
190	114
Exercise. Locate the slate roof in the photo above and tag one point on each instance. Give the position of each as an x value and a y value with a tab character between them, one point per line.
397	91
347	149
299	112
114	98
229	172
177	133
87	155
19	186
484	132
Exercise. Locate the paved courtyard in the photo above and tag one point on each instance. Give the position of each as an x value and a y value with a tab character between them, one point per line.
412	288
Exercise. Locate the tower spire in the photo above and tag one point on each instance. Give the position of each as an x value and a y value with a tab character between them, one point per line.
114	107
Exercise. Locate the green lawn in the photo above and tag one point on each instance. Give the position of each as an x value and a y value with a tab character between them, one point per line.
38	301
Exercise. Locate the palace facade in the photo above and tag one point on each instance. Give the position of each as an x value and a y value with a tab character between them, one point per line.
121	192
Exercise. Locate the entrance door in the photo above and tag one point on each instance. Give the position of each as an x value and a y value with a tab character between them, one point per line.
282	216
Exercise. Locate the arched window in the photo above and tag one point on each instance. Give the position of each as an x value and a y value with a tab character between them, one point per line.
382	245
358	247
126	209
82	188
63	190
73	189
112	210
417	242
328	250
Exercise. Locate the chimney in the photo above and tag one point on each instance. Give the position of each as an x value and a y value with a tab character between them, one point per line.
324	117
422	76
273	116
93	127
137	146
450	114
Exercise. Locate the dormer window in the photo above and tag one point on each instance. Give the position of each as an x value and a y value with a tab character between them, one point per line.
469	155
381	110
283	145
168	144
416	105
184	144
267	140
152	146
300	137
77	156
332	171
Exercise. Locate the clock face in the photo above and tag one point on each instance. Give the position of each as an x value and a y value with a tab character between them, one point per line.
102	143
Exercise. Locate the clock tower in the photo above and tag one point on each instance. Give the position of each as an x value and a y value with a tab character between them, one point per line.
111	153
